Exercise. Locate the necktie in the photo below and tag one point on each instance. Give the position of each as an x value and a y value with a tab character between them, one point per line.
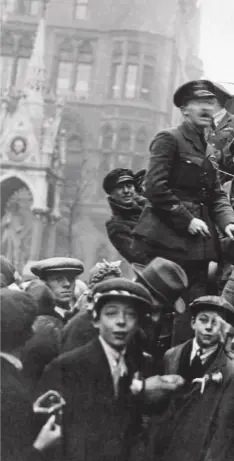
196	367
119	371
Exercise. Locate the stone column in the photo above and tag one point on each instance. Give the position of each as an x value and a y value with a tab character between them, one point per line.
39	221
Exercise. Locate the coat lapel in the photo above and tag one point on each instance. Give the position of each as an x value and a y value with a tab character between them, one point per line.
173	356
191	135
102	372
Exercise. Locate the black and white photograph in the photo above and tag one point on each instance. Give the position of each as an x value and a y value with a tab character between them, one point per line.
117	230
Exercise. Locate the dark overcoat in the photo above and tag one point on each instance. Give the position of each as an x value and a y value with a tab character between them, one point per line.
195	426
97	426
182	184
17	435
121	225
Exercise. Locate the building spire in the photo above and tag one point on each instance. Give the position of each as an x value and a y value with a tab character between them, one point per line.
36	73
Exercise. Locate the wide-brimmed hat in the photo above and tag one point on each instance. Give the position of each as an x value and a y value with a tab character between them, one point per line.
122	288
213	303
165	280
194	89
45	267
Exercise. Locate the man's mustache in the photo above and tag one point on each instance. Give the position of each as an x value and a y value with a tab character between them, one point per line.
206	114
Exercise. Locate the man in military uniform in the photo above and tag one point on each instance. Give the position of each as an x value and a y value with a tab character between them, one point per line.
186	201
126	206
221	133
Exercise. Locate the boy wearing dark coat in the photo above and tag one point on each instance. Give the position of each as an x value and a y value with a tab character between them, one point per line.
198	423
100	382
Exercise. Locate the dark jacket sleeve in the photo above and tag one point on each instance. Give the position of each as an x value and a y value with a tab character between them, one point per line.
221	208
163	156
227	161
221	447
121	238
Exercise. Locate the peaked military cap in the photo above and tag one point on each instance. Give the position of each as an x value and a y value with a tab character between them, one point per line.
213	303
222	94
193	90
47	266
165	280
124	289
115	177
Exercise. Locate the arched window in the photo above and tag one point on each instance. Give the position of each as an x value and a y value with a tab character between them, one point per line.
84	69
124	139
107	135
141	141
65	66
6	61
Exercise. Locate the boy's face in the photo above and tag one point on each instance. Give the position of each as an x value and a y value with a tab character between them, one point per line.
117	322
207	328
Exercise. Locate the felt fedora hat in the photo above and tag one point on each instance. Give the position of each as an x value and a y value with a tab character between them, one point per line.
165	280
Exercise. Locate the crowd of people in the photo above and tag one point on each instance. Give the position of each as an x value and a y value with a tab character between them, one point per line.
120	369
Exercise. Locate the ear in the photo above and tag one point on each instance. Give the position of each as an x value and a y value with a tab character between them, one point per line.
184	110
193	321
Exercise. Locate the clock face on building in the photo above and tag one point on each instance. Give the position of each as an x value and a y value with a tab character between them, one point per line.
18	148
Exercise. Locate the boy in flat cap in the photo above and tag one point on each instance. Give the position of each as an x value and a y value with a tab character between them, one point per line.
126	206
103	404
186	201
59	274
198	423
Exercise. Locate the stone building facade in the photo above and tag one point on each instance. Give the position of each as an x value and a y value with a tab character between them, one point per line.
117	65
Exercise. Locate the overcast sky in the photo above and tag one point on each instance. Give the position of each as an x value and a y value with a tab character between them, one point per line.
217	40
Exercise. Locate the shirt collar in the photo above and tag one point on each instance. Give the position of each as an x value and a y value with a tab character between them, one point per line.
62	312
219	116
112	355
205	353
12	360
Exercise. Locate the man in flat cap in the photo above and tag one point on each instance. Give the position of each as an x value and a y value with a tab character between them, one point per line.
221	133
198	423
59	274
100	382
186	201
126	206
